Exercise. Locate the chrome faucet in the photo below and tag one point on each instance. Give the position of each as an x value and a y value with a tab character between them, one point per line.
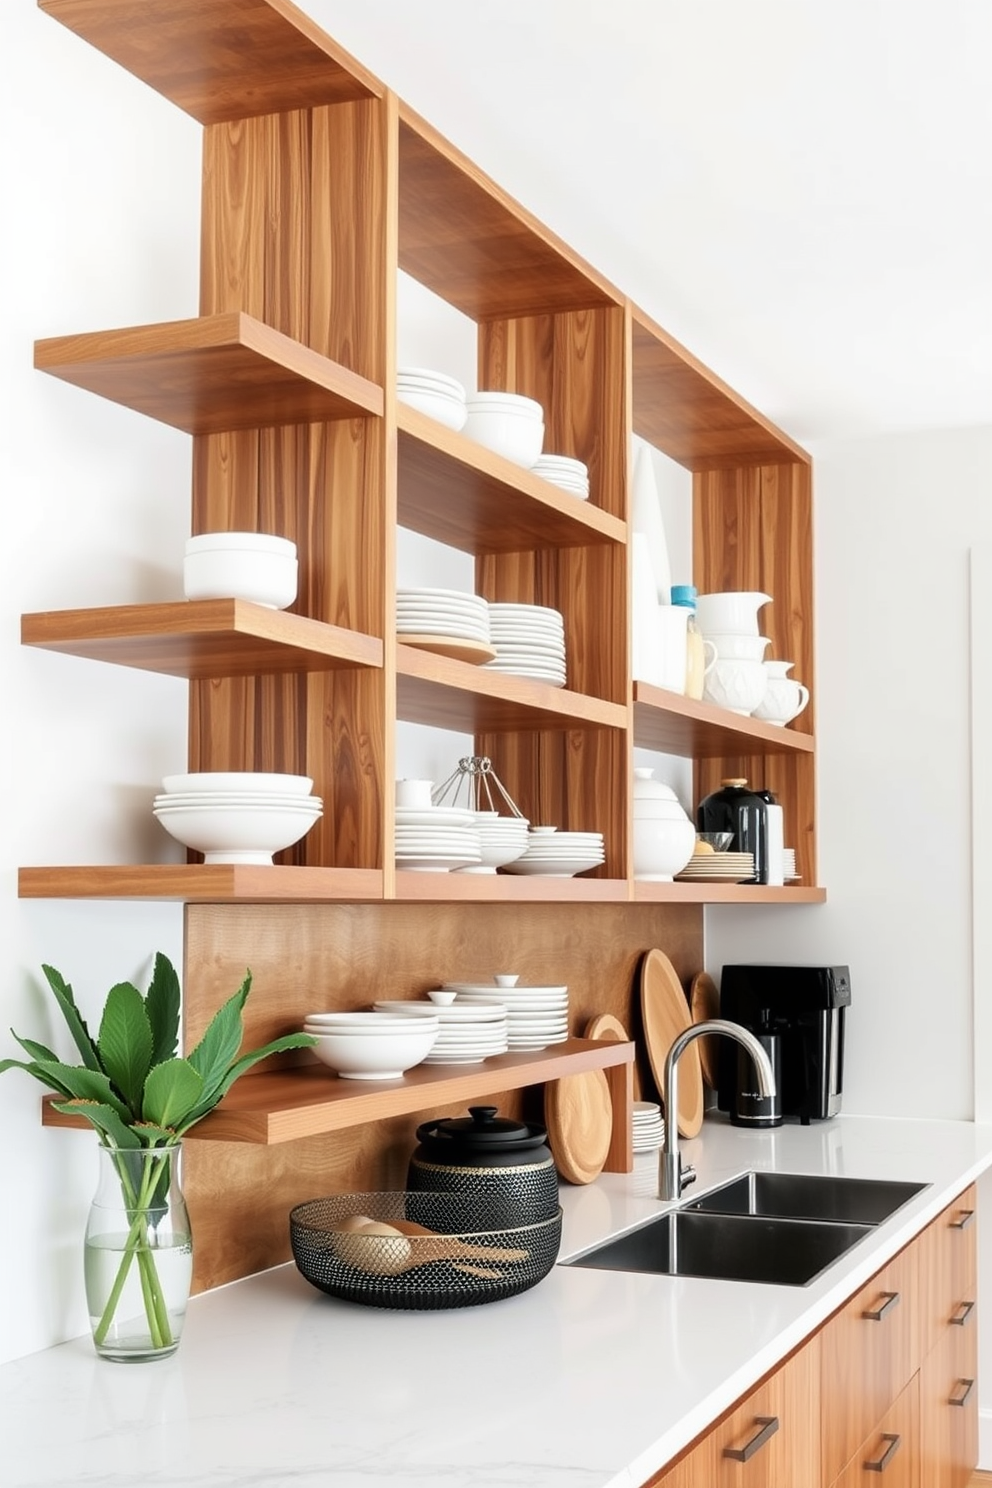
672	1176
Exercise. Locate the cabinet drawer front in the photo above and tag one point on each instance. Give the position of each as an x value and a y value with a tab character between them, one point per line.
889	1457
949	1270
949	1410
870	1350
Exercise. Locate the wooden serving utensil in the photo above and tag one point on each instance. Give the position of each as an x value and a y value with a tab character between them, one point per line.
390	1249
455	1249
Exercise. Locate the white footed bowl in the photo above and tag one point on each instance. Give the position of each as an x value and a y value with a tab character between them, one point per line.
377	1057
738	686
238	834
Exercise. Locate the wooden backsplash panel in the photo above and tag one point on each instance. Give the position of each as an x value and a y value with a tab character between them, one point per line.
305	957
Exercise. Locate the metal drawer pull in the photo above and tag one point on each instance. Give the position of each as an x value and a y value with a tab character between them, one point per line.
769	1426
876	1316
962	1313
887	1455
969	1385
963	1220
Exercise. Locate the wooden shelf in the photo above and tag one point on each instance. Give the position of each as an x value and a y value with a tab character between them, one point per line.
202	883
442	693
272	60
684	410
720	893
461	494
472	244
673	724
210	375
201	639
508	888
307	1101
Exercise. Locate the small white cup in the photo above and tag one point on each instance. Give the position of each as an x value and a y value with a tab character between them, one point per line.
414	794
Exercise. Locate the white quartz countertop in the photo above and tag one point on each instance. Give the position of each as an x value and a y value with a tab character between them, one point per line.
593	1379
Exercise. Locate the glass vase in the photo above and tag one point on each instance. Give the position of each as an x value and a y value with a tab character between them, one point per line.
138	1254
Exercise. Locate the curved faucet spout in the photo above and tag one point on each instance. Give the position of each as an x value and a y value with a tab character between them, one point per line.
672	1178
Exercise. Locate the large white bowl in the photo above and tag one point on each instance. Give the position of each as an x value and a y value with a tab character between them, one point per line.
507	403
238	834
230	565
445	408
505	433
738	686
238	780
377	1057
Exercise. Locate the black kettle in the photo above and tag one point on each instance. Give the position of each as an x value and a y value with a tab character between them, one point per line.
494	1158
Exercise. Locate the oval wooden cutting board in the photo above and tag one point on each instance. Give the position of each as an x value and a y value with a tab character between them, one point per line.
665	1014
704	1003
578	1113
610	1030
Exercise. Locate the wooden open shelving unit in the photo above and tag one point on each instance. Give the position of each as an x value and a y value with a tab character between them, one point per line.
319	186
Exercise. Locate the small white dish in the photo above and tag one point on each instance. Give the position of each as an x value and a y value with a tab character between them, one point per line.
441	996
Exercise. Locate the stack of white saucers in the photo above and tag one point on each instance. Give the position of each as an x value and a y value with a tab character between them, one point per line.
435	393
237	816
502	839
436	839
468	1033
789	865
559	854
535	1016
649	1128
725	867
529	642
561	470
442	613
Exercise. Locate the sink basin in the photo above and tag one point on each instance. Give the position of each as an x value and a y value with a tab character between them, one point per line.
729	1247
801	1196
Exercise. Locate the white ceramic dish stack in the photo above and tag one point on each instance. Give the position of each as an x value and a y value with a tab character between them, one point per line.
502	839
371	1046
508	424
535	1016
437	839
562	470
468	1034
648	1126
241	565
237	817
529	641
436	394
556	854
725	867
442	614
789	865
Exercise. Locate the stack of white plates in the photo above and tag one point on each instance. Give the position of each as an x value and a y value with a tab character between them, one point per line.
435	393
442	612
468	1033
789	865
502	839
649	1128
237	816
535	1016
726	867
436	839
561	470
529	642
559	854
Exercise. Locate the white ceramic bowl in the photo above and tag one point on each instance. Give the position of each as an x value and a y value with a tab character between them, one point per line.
506	433
506	403
734	612
377	1057
736	685
238	834
662	847
445	408
238	780
241	569
740	647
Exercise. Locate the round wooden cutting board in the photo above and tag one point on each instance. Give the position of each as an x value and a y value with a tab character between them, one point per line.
578	1113
704	1003
475	652
665	1014
610	1030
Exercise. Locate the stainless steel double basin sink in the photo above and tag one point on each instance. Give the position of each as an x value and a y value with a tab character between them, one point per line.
780	1228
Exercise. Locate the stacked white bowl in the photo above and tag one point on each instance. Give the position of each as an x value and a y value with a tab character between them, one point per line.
435	393
241	565
555	854
237	816
535	1016
371	1046
502	839
737	678
508	424
468	1034
452	613
564	471
529	642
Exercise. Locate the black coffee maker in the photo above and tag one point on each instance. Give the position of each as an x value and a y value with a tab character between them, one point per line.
800	1010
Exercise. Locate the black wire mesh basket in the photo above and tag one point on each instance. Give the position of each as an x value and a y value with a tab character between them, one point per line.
419	1251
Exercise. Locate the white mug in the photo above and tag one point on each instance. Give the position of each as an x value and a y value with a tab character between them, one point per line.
414	794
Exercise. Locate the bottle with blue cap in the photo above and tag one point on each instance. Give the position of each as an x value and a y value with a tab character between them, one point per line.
695	649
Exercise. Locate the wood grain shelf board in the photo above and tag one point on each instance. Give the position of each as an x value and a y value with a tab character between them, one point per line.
673	724
211	374
202	883
686	411
219	61
461	494
472	244
441	693
507	888
722	893
286	1105
202	639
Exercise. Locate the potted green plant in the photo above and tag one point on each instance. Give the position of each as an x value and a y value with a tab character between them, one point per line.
142	1098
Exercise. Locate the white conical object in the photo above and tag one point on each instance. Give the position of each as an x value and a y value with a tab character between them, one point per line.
646	517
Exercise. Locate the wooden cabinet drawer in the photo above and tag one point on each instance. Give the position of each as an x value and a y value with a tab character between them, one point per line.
949	1270
869	1352
949	1410
770	1440
889	1457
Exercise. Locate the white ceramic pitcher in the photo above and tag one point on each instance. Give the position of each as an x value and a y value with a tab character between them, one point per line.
784	698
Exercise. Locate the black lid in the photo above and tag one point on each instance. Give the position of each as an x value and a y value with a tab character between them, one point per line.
482	1131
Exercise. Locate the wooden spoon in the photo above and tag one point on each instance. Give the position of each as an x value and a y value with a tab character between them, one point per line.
454	1249
381	1249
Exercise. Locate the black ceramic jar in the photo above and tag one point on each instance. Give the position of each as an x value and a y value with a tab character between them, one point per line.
507	1163
738	809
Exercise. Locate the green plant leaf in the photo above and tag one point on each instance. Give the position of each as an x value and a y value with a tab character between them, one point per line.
125	1043
72	1080
172	1090
36	1050
36	1070
240	1067
104	1118
220	1043
77	1027
162	1006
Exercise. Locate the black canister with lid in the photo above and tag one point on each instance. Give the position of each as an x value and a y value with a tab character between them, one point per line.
508	1163
738	809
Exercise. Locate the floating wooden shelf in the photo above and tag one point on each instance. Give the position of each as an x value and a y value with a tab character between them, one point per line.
673	724
286	1105
210	375
724	893
201	639
274	59
202	883
460	494
508	888
442	693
